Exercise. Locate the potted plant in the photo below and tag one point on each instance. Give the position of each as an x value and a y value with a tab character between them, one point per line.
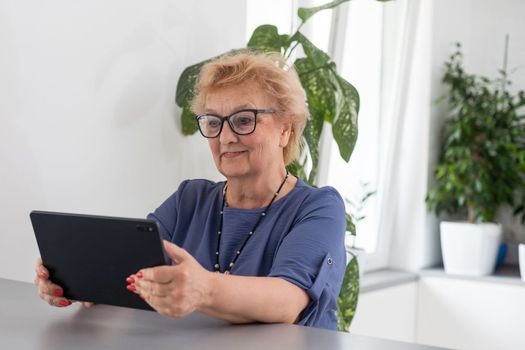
479	167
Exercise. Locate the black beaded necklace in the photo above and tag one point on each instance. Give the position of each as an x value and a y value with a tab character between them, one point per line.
252	231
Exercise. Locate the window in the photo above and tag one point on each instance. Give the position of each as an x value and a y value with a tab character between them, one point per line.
359	62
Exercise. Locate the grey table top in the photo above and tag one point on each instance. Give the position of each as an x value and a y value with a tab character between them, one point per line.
26	322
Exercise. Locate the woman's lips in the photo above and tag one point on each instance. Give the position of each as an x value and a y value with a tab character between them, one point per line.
232	154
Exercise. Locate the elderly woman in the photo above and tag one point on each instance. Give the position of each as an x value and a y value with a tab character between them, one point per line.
261	246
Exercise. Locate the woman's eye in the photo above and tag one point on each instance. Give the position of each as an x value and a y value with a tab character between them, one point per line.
213	123
243	120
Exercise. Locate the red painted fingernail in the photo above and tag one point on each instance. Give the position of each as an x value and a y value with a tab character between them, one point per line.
130	280
63	302
58	292
141	296
131	287
139	274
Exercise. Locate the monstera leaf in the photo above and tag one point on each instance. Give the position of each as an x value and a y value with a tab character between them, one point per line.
267	38
184	95
305	13
344	125
330	98
350	226
347	300
320	99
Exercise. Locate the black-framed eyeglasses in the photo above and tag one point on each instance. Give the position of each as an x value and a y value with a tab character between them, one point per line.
242	122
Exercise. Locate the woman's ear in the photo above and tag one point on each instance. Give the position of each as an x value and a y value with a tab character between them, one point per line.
284	137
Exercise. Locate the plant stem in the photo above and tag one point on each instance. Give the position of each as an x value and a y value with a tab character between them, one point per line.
505	61
506	53
287	56
470	208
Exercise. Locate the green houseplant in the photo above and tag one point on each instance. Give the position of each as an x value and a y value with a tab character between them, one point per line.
481	162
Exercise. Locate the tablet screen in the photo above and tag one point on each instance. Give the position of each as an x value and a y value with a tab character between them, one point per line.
90	256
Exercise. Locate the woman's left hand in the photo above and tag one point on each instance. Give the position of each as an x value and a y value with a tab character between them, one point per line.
177	290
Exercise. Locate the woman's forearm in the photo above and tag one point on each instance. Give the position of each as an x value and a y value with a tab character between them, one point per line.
243	299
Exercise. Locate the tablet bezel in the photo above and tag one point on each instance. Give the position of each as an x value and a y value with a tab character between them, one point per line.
90	256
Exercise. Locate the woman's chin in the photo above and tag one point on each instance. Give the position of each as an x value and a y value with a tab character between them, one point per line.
232	173
233	170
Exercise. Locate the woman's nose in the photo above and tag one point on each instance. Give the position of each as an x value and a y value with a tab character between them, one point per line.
227	135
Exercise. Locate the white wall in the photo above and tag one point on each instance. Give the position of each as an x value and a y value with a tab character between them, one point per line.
88	120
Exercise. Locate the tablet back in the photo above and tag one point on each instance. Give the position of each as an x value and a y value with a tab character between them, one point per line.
90	257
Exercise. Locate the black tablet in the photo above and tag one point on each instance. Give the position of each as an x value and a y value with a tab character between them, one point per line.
90	256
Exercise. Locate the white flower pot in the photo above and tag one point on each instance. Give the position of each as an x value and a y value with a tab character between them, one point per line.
522	261
470	249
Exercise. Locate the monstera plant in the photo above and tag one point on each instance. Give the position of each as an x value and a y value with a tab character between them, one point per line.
330	98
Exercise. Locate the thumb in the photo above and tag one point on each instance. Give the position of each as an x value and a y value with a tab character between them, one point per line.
176	253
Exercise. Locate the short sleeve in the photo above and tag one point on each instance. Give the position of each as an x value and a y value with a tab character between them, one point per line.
166	214
312	256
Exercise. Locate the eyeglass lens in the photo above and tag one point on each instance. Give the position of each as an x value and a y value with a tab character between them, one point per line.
242	123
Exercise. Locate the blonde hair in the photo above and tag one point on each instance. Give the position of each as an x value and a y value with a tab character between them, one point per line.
275	77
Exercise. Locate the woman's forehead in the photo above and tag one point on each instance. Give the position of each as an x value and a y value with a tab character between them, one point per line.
246	95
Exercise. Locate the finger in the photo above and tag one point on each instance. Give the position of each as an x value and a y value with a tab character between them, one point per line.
159	274
175	252
147	288
142	288
40	269
86	304
47	287
55	301
60	302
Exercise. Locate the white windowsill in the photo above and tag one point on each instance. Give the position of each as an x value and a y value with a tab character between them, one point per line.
506	274
385	278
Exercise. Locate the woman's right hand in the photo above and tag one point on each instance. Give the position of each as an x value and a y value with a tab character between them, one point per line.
49	291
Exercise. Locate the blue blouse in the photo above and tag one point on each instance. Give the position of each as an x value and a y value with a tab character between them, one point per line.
301	239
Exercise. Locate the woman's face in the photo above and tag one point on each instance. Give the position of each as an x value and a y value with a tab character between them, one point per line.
253	154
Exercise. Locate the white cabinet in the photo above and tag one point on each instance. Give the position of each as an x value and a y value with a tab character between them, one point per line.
469	314
387	313
452	312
